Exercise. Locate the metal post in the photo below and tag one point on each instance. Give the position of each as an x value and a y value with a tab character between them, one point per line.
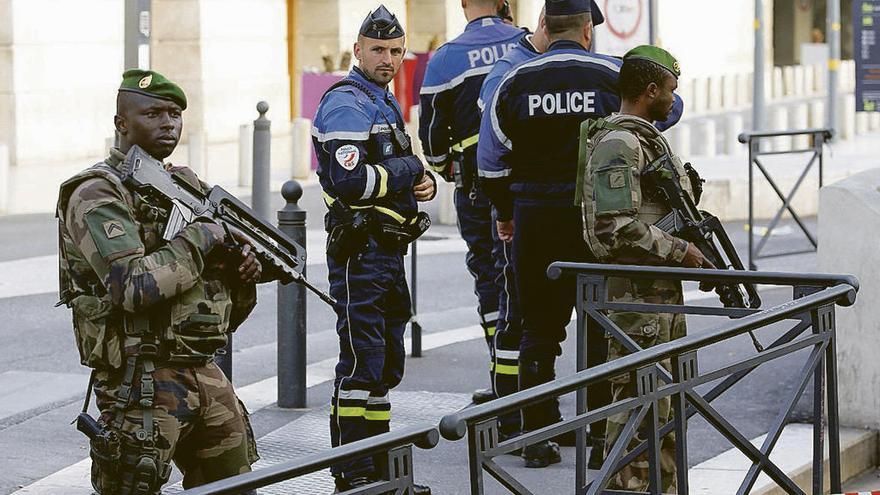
654	21
261	175
833	8
292	309
415	326
753	150
758	94
138	23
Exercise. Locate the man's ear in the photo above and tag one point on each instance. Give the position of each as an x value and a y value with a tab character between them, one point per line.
652	90
120	124
356	50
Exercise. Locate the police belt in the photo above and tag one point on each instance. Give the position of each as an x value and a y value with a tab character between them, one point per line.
353	225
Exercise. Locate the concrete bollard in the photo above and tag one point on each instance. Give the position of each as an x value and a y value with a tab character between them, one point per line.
196	154
715	99
301	133
799	77
743	89
809	80
779	122
262	163
445	193
861	123
245	154
777	83
874	121
733	126
291	331
686	92
817	114
788	88
701	95
680	138
705	139
799	118
4	178
728	92
846	117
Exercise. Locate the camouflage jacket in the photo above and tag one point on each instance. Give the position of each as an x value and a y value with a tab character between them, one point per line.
618	213
126	285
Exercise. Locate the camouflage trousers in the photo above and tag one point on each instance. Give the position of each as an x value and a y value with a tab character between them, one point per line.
647	330
199	423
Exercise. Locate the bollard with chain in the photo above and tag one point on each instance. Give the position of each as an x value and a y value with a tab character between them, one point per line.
262	171
292	309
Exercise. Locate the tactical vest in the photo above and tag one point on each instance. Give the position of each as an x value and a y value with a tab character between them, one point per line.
652	146
186	330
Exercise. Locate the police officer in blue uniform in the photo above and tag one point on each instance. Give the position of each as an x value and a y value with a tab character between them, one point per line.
448	128
527	154
372	183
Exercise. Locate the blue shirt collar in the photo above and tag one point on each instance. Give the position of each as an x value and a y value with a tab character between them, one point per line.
566	45
358	75
479	22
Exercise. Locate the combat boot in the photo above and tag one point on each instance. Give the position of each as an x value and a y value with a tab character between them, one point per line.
597	453
343	485
541	454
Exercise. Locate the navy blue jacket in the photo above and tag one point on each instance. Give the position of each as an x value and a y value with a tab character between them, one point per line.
528	145
453	78
359	161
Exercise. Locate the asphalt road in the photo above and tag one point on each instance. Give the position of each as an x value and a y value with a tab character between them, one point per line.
38	345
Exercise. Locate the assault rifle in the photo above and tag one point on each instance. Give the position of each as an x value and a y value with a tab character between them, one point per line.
702	229
275	251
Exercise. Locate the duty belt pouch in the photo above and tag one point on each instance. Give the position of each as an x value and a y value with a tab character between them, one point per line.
464	178
407	233
348	236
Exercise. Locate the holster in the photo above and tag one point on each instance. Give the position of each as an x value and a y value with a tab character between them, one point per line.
349	233
465	179
405	234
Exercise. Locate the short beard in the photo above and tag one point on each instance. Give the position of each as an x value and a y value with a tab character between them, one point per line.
659	112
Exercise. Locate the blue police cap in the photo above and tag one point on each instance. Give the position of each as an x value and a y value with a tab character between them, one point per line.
568	7
381	25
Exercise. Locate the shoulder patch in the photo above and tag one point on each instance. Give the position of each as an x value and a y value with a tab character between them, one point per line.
348	156
114	233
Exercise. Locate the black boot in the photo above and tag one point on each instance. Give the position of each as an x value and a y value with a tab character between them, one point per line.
541	454
483	395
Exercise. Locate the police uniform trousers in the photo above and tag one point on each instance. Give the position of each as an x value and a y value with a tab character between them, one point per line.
199	422
372	309
647	330
489	261
546	232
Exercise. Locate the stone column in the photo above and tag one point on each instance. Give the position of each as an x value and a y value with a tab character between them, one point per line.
7	101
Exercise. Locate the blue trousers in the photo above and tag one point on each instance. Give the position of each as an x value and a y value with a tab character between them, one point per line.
489	261
372	309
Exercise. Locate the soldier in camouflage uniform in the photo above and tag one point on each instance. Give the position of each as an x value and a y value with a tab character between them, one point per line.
618	217
150	314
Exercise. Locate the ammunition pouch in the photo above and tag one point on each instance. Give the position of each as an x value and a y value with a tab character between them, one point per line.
97	331
129	470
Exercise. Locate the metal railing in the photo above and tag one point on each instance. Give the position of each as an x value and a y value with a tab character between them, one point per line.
753	139
394	449
812	309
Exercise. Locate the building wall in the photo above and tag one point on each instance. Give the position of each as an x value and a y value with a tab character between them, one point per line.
64	70
7	101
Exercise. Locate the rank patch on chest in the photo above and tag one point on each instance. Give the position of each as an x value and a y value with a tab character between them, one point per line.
617	180
348	156
113	228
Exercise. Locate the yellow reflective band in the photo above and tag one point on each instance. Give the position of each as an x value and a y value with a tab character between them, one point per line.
506	369
834	64
383	181
757	24
465	144
490	331
330	200
391	213
349	412
438	168
377	415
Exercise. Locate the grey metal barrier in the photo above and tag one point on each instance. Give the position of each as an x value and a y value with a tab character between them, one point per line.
292	308
753	139
260	200
811	309
394	448
415	327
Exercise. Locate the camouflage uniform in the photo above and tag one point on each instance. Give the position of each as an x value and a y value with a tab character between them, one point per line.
618	218
148	317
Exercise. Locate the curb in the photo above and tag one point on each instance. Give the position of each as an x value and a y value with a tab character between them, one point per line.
793	454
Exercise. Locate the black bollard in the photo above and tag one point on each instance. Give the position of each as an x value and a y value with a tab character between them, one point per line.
292	309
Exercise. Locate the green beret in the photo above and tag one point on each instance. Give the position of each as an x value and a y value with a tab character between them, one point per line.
151	83
657	55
